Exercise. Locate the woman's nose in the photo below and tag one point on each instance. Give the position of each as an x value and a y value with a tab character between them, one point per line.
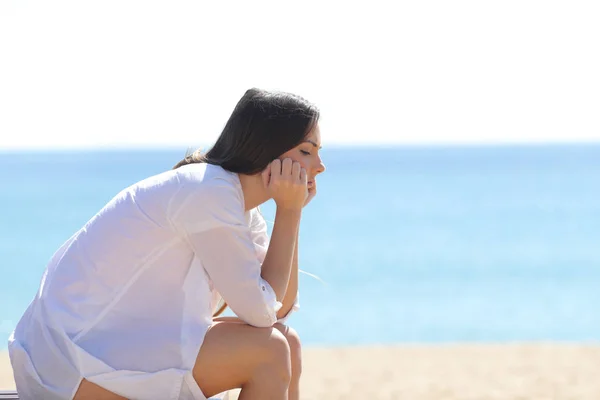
320	167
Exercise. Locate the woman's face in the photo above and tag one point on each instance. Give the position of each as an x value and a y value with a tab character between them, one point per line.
307	154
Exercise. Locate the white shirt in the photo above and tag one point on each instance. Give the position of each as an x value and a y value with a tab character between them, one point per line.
126	301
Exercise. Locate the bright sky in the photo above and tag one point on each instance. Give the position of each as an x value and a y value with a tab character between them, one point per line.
168	73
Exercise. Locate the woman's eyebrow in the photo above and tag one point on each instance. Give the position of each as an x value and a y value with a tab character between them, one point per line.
314	144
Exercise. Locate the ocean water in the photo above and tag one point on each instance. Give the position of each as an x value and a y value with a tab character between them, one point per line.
412	244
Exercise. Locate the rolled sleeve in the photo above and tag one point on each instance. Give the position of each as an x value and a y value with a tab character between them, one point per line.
229	260
295	307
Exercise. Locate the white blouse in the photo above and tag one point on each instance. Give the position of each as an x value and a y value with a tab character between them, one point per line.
125	303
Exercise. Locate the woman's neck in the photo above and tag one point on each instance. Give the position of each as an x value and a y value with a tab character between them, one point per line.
254	191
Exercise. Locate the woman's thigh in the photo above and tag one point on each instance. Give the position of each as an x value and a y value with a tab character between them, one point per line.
231	353
90	391
230	345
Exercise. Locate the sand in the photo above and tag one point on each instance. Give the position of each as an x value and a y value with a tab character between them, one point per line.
528	371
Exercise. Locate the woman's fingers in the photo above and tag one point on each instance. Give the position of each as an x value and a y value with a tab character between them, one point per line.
303	178
287	183
296	171
276	167
286	167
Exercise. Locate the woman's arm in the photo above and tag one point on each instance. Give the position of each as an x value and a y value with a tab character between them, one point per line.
292	288
277	269
213	223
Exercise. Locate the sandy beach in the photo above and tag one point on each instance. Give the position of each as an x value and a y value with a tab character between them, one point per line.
443	372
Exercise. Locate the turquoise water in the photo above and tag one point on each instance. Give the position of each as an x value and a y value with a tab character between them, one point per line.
414	244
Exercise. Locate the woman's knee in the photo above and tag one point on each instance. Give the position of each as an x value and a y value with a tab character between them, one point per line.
295	345
248	355
279	354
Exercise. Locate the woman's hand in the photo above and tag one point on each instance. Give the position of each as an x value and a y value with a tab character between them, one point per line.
286	183
312	192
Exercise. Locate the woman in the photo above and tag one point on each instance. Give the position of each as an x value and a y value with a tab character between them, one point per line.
125	307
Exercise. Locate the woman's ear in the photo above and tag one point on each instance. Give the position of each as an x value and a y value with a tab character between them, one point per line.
266	176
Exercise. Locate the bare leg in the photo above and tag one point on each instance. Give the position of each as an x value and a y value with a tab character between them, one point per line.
90	391
236	355
295	357
295	353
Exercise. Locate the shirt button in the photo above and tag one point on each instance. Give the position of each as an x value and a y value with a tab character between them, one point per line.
264	288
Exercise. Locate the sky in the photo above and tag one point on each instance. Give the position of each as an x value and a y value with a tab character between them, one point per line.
145	73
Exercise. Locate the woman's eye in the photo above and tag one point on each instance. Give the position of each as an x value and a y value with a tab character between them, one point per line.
306	153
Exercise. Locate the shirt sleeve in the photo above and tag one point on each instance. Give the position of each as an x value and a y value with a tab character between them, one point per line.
295	307
260	237
213	220
259	234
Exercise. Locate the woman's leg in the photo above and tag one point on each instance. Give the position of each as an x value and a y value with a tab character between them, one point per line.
236	355
295	353
90	391
295	357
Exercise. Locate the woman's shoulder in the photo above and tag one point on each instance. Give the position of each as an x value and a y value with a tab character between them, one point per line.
191	178
206	175
208	189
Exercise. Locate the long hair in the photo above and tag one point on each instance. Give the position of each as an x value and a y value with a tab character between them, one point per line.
263	126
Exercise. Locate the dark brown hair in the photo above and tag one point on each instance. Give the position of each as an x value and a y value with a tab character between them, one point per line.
263	126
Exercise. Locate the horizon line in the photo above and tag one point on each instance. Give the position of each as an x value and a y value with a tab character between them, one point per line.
334	145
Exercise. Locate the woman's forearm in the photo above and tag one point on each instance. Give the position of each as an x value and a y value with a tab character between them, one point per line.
292	288
277	267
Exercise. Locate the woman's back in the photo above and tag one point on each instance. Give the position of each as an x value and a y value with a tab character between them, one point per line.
130	243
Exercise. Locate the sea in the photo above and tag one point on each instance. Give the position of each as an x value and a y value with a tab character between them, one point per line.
407	244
